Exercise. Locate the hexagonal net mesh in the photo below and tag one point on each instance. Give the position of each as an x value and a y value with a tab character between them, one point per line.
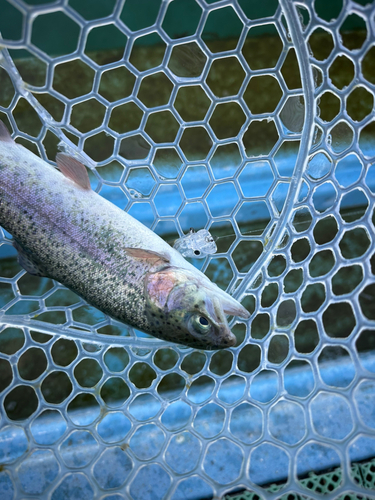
257	123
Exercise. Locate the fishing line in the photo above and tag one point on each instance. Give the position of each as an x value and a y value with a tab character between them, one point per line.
255	232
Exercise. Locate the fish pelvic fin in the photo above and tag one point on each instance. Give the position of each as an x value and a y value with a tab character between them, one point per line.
4	133
73	170
26	261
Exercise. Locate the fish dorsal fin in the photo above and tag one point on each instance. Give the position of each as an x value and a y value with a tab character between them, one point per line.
4	133
140	253
74	170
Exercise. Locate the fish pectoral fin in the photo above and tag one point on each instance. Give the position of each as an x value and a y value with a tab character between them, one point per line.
235	309
4	133
140	253
74	170
26	261
230	305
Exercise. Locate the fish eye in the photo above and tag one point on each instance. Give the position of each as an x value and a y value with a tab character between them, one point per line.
201	324
197	252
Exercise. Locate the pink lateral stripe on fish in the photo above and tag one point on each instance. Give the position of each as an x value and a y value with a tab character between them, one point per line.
62	229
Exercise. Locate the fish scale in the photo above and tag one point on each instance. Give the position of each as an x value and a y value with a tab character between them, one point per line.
68	232
74	248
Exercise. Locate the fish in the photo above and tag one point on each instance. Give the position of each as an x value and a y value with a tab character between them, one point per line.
64	230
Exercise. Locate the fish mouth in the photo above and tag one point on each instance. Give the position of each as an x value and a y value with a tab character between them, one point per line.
225	338
229	340
225	342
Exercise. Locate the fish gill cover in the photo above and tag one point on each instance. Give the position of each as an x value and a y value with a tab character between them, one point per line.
254	121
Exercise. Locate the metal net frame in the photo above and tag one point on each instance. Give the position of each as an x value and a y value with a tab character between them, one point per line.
92	409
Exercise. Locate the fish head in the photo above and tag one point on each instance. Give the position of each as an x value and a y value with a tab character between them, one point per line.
183	309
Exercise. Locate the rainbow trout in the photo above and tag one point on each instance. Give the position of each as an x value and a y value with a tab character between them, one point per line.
62	229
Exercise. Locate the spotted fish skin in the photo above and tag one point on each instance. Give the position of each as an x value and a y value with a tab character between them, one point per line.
73	235
75	238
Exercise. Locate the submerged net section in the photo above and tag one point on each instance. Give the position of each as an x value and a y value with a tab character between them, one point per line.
255	122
